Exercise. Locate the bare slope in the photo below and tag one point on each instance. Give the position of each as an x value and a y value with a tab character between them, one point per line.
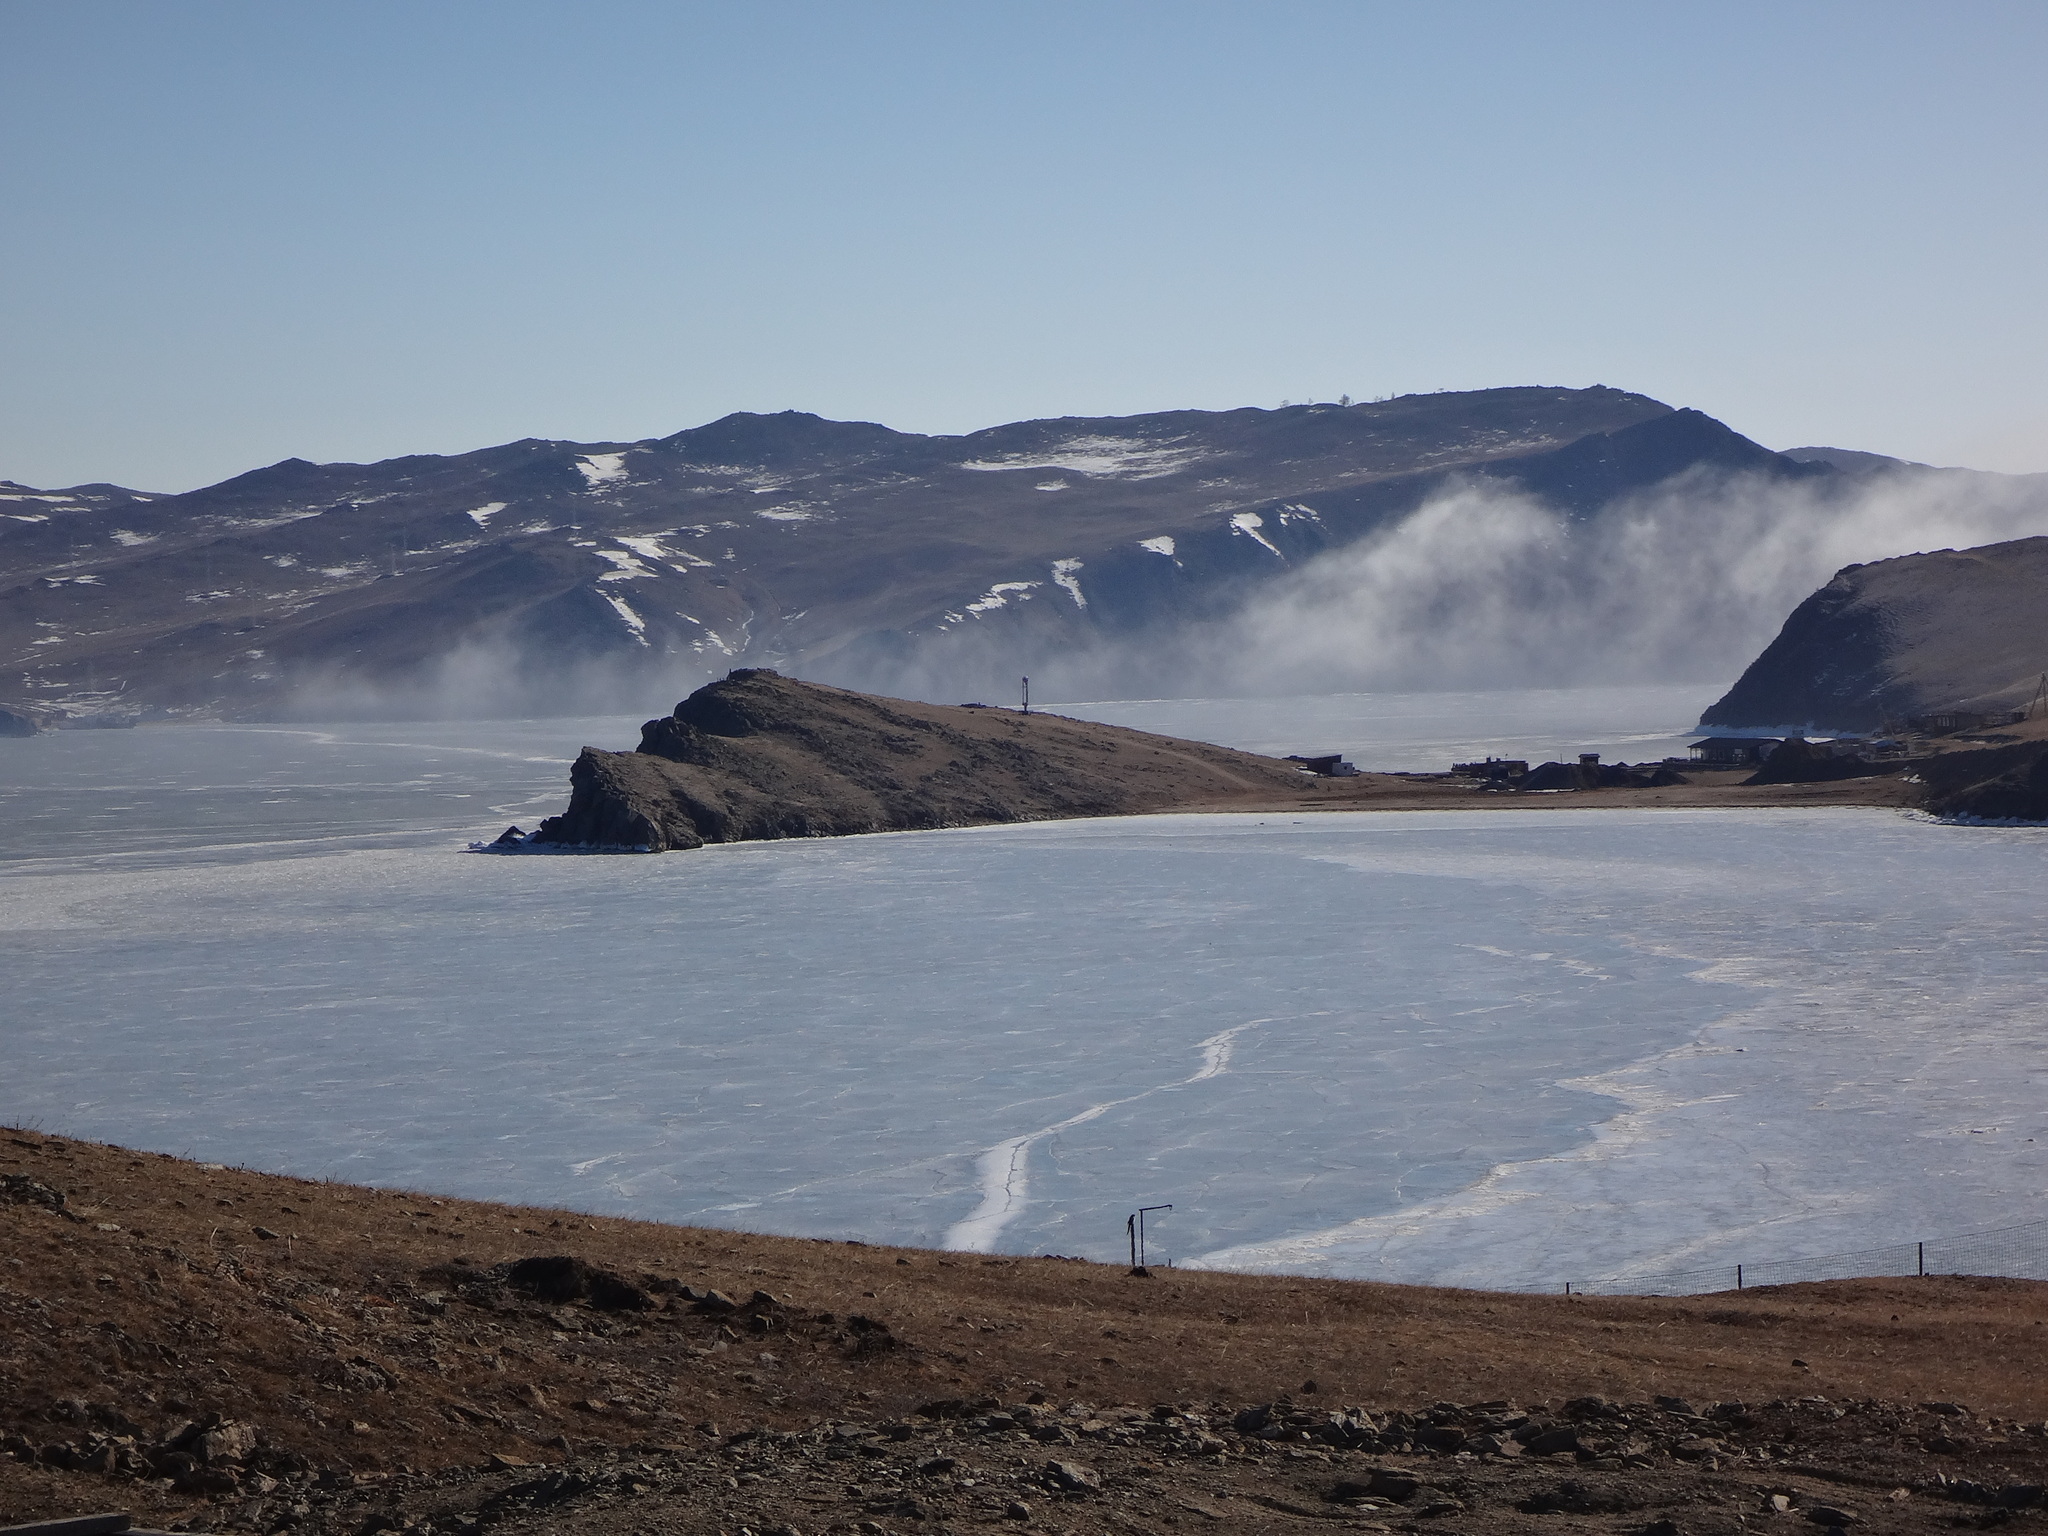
231	1350
763	756
1954	629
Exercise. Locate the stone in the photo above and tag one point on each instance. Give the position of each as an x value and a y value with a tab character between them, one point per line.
1017	1509
1071	1477
1386	1483
1827	1514
231	1441
20	1189
1558	1440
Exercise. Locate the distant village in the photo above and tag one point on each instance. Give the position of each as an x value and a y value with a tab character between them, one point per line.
1768	759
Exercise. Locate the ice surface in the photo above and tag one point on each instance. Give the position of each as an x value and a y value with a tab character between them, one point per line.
1509	1048
231	792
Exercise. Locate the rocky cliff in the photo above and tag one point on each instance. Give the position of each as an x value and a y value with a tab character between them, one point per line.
763	756
1955	629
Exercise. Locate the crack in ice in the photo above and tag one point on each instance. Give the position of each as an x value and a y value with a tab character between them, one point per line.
1004	1170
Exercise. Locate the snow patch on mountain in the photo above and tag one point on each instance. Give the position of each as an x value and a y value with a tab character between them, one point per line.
1249	524
1063	576
632	620
649	546
630	566
999	595
602	468
482	515
1117	458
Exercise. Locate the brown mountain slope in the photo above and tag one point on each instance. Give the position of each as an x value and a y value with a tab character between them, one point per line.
763	756
1954	629
220	1349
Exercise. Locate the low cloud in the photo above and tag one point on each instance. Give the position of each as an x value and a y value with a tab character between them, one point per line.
1485	587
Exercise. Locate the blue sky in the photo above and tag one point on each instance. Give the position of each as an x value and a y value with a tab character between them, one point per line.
234	232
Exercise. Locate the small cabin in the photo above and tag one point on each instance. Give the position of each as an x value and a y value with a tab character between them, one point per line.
1942	722
1327	765
1732	751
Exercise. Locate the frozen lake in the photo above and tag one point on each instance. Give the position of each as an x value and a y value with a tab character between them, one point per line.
1502	1047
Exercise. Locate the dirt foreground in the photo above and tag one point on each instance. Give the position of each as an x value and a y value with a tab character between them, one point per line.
215	1349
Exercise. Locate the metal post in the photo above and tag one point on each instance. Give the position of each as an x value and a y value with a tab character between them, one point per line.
1923	1257
1131	1226
1027	695
1738	1277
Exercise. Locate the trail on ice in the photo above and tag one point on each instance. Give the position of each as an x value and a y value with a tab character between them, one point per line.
1003	1172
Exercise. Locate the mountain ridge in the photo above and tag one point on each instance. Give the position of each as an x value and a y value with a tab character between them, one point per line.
535	575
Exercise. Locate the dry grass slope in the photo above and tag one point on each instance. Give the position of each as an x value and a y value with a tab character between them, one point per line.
227	1348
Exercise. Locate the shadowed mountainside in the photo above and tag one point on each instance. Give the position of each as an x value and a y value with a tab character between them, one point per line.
525	576
1950	630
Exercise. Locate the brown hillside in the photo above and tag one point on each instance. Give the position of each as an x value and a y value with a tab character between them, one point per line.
1952	629
232	1350
759	755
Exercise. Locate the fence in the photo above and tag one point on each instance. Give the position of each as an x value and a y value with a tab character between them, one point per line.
2019	1253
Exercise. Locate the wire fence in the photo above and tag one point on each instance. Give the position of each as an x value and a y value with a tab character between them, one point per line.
2018	1253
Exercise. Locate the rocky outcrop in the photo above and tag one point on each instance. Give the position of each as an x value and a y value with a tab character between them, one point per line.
14	723
761	756
2006	784
1950	630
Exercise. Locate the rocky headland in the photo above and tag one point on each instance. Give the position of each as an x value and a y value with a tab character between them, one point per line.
759	755
1955	632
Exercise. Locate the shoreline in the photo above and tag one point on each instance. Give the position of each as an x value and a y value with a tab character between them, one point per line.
1415	792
